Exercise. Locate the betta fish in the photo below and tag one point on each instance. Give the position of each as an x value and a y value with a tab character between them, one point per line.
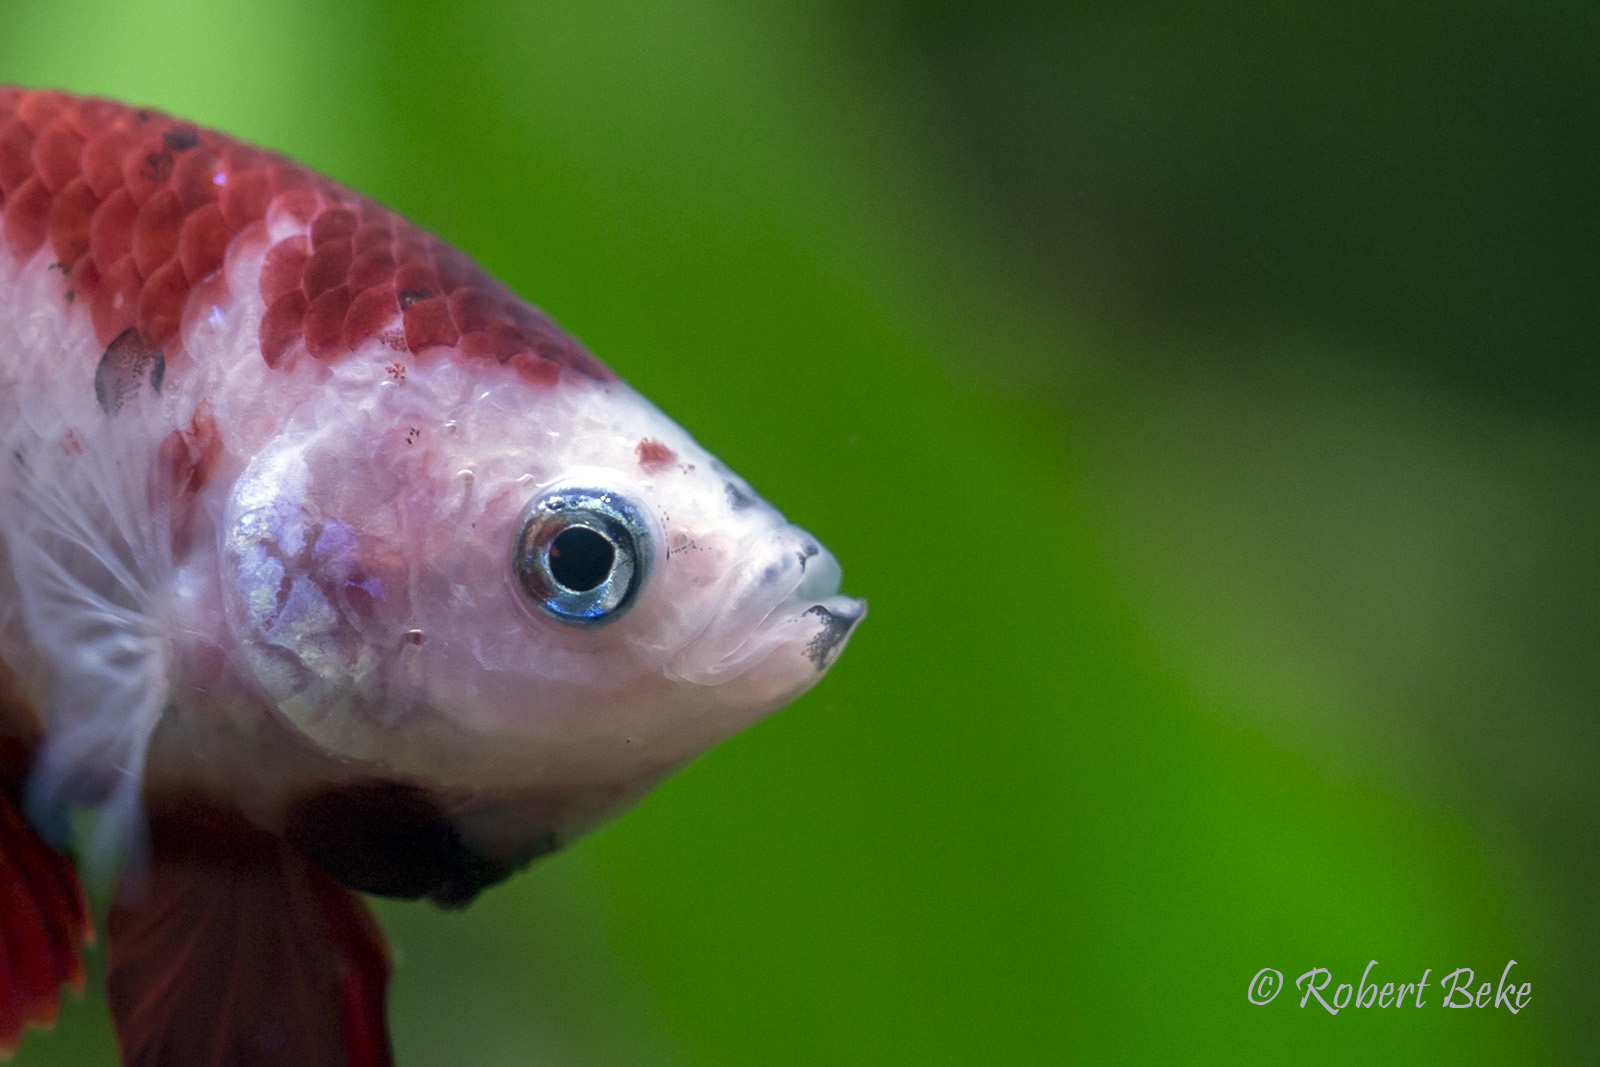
328	566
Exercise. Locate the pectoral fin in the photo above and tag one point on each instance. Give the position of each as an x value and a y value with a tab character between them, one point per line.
237	952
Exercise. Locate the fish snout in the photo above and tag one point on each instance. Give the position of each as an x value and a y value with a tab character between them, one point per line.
781	625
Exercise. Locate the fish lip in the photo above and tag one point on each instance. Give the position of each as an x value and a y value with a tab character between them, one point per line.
796	626
838	623
797	641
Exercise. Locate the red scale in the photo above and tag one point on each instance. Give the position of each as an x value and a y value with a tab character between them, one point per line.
140	209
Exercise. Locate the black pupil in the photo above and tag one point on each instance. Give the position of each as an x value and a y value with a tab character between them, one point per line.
581	558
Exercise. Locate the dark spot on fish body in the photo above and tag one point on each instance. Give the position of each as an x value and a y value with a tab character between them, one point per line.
181	139
738	499
127	363
410	298
157	167
393	839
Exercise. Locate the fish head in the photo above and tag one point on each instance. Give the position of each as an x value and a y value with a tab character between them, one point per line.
474	581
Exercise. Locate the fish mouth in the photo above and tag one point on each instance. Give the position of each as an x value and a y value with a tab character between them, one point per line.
837	626
781	625
816	602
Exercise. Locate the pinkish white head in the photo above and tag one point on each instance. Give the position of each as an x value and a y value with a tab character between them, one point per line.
467	579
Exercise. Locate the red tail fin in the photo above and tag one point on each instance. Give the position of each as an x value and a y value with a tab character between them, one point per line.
239	953
43	920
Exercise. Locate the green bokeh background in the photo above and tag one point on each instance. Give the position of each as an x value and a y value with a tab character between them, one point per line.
1203	395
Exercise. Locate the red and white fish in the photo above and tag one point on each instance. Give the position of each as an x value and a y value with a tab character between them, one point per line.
326	564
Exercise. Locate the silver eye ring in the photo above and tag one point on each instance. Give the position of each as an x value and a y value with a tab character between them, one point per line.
582	555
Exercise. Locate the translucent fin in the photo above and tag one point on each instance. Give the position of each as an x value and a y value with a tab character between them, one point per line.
238	951
85	520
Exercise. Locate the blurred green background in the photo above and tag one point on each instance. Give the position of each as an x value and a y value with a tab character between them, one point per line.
1204	396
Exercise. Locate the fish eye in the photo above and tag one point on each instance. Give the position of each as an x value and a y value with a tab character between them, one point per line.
582	555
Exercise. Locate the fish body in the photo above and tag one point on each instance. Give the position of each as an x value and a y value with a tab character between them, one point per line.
326	564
